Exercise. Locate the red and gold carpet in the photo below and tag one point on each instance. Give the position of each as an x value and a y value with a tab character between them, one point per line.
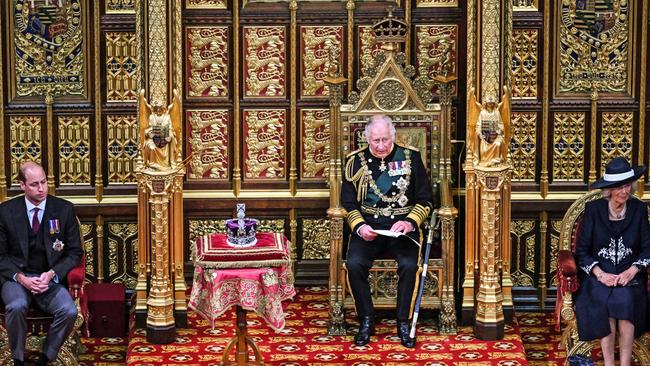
304	341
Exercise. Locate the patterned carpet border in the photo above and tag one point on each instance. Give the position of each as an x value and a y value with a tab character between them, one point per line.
305	342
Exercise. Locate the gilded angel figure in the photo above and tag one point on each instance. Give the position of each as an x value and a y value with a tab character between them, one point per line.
160	130
488	132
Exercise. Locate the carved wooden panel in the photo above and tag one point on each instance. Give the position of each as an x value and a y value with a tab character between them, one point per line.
524	63
524	5
122	247
315	127
594	46
523	145
120	6
437	51
315	44
616	138
48	47
206	4
24	142
121	67
208	143
207	62
315	239
568	146
554	248
436	3
74	149
264	62
89	233
122	142
523	243
264	143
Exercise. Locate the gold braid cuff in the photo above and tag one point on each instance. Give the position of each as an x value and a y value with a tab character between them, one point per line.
355	218
419	213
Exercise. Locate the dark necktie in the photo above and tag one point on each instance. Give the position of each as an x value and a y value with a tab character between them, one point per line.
35	223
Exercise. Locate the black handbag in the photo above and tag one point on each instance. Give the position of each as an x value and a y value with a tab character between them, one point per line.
580	360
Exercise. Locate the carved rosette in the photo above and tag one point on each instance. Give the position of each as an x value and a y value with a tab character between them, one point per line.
315	44
121	67
207	62
315	238
264	148
208	144
49	57
437	53
264	62
316	142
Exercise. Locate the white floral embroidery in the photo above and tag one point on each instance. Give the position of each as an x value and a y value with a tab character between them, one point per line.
643	262
588	268
616	251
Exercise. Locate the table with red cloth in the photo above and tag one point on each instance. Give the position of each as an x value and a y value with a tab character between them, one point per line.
258	278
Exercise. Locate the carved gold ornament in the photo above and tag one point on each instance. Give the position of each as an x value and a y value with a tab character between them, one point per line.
208	74
49	47
568	146
209	140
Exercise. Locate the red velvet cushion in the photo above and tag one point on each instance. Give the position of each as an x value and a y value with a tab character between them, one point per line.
566	263
271	250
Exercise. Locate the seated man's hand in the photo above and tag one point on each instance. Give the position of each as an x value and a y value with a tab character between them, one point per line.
402	227
32	284
366	233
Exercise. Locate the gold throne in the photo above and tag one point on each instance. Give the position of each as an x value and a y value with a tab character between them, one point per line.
568	284
388	87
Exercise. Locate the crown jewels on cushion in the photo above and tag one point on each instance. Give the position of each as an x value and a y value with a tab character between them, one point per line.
241	231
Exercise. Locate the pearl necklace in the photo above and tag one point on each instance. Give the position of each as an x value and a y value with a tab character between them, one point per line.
614	215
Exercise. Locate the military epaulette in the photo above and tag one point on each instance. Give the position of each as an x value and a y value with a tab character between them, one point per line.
356	151
408	147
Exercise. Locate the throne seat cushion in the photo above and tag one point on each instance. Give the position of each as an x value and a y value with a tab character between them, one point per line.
213	251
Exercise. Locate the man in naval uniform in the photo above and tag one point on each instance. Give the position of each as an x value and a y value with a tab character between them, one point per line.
385	187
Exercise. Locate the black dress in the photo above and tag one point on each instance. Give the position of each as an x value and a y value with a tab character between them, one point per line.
614	246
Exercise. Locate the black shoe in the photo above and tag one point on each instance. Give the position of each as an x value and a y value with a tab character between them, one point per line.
366	329
42	360
18	362
403	330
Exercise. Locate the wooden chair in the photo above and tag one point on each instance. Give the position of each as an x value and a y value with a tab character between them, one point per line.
388	88
38	322
568	284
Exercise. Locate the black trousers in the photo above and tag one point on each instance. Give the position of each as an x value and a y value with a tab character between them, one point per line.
361	254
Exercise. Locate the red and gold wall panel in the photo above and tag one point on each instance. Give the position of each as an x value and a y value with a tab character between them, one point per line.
208	142
207	62
315	44
264	143
315	155
437	51
264	62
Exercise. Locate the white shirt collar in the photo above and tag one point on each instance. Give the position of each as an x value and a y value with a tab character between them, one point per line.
30	205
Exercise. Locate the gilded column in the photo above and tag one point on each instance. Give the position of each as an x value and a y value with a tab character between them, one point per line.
543	231
3	177
49	113
178	255
99	180
543	179
99	224
157	47
293	171
143	267
594	129
336	212
642	93
236	117
161	326
350	8
447	211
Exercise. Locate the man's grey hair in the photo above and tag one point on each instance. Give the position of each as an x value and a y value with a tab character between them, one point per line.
380	118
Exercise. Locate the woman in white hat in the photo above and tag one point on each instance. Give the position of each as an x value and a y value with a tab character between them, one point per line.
613	250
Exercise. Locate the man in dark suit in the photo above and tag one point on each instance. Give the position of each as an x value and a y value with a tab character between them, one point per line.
385	187
39	245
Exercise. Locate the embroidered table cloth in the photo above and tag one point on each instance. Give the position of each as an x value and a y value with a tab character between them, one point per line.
257	278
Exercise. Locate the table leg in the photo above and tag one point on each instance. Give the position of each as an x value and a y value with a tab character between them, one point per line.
242	342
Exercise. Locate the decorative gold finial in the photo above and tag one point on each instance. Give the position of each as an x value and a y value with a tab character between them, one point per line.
390	31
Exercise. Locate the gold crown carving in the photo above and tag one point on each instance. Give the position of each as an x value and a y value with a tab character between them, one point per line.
390	30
